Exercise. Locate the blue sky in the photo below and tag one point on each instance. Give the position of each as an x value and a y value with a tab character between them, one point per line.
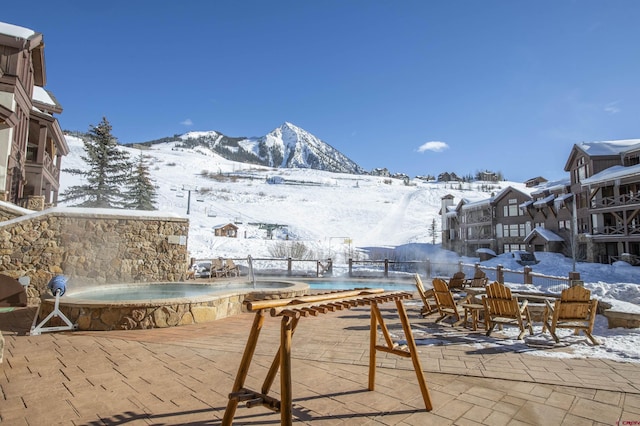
419	87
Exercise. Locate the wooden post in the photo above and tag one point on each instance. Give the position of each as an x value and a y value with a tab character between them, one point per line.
428	268
289	267
500	274
460	267
528	279
573	277
386	268
350	267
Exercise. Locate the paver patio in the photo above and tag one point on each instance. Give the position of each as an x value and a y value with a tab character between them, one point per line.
183	375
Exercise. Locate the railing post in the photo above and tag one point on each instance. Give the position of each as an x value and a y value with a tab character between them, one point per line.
528	279
428	268
350	267
574	279
500	274
317	268
330	267
460	266
386	268
289	267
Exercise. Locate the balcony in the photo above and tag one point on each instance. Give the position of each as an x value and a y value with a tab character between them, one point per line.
48	168
618	231
615	202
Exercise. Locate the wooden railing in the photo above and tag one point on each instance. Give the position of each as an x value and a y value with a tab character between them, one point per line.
617	230
613	201
387	268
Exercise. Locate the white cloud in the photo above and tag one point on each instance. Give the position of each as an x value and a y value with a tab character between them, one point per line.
187	122
434	146
612	107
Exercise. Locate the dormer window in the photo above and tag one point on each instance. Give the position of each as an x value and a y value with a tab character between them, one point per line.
582	170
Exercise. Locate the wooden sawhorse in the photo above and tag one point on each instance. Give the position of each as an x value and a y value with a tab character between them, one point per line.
291	310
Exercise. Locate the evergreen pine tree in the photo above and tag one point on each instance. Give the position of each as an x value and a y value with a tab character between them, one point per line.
108	170
433	231
142	192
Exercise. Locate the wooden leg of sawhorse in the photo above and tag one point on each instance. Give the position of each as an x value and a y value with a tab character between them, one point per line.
411	344
275	365
286	393
243	370
376	318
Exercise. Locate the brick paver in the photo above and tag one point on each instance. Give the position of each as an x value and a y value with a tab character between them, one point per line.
183	375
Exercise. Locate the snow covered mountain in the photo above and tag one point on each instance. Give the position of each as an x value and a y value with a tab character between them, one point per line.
318	208
287	146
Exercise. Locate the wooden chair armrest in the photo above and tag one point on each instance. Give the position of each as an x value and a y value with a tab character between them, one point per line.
549	305
524	305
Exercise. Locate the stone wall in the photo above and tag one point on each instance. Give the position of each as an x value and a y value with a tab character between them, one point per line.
94	246
10	211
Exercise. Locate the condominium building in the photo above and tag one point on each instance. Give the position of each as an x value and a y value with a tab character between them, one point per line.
31	141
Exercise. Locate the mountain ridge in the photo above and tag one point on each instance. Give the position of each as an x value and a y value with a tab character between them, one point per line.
287	146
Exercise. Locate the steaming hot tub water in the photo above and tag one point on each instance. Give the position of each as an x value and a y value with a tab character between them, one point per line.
348	285
162	291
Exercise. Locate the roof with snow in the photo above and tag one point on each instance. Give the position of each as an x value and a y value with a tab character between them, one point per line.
16	31
609	147
544	233
557	185
613	173
545	201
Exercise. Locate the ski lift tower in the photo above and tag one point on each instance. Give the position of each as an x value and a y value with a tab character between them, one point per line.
189	189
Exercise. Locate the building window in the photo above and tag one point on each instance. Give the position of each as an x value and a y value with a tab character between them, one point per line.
514	230
582	170
564	224
539	225
514	247
512	208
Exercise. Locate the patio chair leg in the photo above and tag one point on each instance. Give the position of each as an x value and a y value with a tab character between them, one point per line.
590	336
490	328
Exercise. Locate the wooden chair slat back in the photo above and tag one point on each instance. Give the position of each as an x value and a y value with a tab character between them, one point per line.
457	280
420	288
479	274
443	295
576	293
500	301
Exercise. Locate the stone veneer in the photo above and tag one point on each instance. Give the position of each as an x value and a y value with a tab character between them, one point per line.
95	246
160	314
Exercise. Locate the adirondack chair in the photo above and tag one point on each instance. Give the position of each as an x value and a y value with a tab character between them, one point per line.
479	279
232	268
218	268
447	306
574	310
501	308
428	300
456	282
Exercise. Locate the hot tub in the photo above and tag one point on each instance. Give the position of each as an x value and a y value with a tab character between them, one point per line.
151	305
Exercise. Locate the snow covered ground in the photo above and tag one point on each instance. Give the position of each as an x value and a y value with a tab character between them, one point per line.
335	214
